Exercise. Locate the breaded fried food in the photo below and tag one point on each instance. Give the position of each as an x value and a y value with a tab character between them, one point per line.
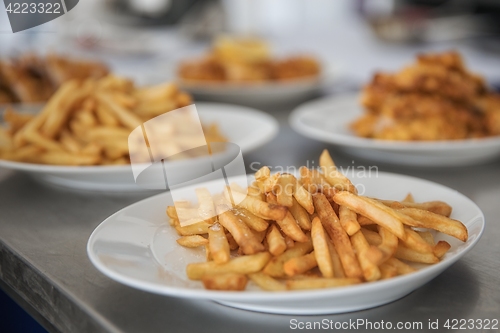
436	98
31	78
442	74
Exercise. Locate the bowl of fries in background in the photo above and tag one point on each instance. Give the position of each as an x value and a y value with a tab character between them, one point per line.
432	113
313	243
80	137
243	70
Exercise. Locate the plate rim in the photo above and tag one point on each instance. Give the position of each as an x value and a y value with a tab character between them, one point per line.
262	296
300	112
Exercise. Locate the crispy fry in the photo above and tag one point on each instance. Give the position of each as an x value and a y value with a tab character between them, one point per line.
366	260
299	265
389	243
409	198
337	264
364	221
387	271
198	228
206	209
275	266
275	241
192	241
314	181
437	207
415	242
242	234
289	242
268	184
229	281
257	207
266	282
321	250
441	248
427	236
285	187
373	210
303	197
241	265
59	107
339	237
254	222
263	173
125	116
254	191
400	266
348	220
425	219
232	243
288	224
69	142
218	244
332	175
406	253
372	237
300	215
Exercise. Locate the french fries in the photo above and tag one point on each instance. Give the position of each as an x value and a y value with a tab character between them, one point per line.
338	235
218	244
88	122
317	234
229	281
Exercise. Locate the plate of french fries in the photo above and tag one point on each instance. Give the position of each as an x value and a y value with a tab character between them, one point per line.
79	139
245	70
314	242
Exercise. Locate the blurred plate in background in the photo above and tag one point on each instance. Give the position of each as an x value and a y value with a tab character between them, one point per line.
246	127
327	120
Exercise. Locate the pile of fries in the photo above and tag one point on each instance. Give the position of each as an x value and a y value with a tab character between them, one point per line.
88	123
246	60
316	232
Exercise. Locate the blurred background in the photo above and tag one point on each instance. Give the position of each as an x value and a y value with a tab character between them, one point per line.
140	38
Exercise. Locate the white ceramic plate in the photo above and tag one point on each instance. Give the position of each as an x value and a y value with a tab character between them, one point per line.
263	94
137	247
328	120
246	127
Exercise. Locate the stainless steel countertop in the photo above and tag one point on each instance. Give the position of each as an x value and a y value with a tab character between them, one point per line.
44	264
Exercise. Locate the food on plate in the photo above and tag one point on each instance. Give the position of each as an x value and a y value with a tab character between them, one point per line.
31	78
436	98
88	123
314	232
238	60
